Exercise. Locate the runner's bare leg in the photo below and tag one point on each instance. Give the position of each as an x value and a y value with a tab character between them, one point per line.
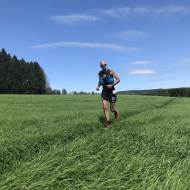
112	108
104	102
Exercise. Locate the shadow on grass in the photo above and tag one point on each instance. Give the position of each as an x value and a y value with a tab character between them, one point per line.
102	119
131	113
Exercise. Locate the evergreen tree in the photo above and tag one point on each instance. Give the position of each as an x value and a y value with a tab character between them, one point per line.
23	77
3	62
42	79
20	77
16	75
64	92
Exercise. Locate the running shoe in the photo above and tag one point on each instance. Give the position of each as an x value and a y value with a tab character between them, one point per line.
108	126
116	115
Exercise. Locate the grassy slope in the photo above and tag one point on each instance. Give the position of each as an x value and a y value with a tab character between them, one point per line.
59	142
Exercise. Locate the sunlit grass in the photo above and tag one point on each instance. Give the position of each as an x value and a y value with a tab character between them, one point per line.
59	142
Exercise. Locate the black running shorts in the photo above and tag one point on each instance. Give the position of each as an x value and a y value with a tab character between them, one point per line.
111	96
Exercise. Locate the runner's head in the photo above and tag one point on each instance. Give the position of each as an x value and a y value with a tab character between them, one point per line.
103	65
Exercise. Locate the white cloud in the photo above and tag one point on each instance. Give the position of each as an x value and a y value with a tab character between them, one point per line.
177	9
153	80
73	19
140	10
124	12
117	13
184	60
131	34
140	62
141	71
158	80
91	45
171	9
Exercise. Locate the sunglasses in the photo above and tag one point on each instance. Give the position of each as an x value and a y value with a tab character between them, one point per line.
102	65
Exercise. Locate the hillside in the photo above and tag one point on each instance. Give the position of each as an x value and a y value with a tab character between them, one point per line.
135	92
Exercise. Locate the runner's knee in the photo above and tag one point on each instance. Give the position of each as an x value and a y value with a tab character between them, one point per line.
105	107
112	109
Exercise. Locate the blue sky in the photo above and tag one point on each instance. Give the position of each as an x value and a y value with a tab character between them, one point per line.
146	42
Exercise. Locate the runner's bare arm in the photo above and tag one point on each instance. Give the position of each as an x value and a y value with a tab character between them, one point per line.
97	88
116	76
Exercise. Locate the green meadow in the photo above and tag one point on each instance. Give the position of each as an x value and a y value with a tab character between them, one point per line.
59	142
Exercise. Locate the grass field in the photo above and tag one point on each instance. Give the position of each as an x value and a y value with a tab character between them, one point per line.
59	142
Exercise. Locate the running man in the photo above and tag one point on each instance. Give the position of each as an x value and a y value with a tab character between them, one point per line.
106	79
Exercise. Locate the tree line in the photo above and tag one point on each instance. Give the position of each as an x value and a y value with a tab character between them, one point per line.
173	92
82	93
64	92
21	77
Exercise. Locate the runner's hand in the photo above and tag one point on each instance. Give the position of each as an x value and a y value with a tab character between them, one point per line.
97	88
109	85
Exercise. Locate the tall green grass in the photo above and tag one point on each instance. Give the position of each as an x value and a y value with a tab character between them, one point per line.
59	142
